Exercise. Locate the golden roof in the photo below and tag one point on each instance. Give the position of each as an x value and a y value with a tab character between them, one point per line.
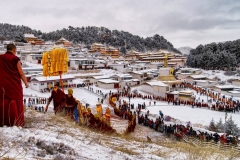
166	78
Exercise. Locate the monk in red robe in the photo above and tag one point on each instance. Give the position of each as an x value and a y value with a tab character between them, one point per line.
70	102
11	91
58	97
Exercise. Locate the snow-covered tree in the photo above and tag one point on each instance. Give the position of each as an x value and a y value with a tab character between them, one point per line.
231	127
220	126
212	126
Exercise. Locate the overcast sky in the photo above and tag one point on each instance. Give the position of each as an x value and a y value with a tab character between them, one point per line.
182	22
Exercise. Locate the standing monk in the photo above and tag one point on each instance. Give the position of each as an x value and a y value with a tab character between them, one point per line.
71	103
11	91
58	97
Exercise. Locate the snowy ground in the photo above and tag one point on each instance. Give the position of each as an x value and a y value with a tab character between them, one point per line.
217	74
198	116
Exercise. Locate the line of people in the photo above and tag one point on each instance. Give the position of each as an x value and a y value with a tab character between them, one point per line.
33	100
66	104
233	107
179	130
127	114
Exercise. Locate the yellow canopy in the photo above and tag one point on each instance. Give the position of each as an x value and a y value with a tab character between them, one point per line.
55	62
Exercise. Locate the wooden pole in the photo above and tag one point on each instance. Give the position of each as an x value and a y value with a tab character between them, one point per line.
61	82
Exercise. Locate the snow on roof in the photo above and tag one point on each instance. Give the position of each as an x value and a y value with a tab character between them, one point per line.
174	92
117	64
197	76
123	75
186	73
190	69
108	81
53	78
33	69
157	63
234	92
142	61
98	60
137	72
145	71
225	86
35	55
78	59
186	92
137	66
156	83
29	36
127	80
175	59
164	69
203	81
79	81
101	77
30	51
31	75
135	80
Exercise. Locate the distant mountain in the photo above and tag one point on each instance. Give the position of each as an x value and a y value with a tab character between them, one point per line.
122	40
185	50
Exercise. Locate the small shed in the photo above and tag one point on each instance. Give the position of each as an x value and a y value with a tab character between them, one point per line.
95	79
44	83
186	95
236	82
205	83
172	95
156	88
221	88
108	83
192	78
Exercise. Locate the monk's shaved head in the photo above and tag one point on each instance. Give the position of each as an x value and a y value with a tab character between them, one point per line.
11	47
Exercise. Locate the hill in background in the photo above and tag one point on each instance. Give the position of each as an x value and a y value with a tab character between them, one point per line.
122	40
185	50
223	55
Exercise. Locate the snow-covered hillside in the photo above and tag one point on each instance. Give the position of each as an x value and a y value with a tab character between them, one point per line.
185	50
211	74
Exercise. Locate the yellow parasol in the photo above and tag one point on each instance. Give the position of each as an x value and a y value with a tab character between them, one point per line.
55	62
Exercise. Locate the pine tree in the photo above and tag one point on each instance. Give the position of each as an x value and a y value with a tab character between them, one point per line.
212	126
220	126
231	127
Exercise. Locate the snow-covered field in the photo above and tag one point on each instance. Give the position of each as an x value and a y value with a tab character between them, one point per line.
217	74
46	136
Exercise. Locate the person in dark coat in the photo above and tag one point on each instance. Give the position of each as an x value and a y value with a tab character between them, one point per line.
70	103
58	97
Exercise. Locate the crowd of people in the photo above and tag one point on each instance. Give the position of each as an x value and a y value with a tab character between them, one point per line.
221	103
34	100
178	131
123	109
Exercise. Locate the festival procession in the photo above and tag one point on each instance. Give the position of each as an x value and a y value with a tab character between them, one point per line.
123	104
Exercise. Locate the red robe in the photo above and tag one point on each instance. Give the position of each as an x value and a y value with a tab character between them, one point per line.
11	92
70	101
58	98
